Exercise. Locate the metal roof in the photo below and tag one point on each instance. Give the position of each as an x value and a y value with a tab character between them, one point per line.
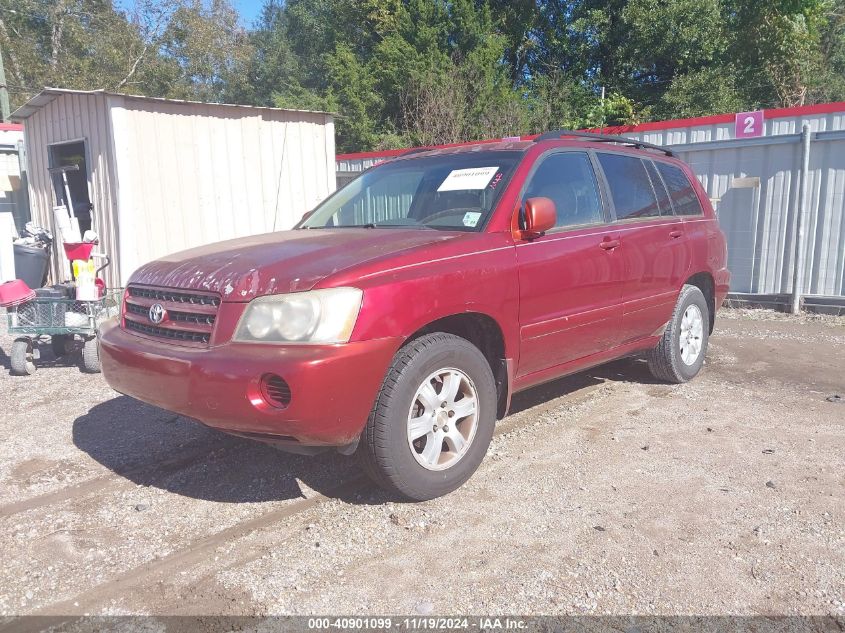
50	94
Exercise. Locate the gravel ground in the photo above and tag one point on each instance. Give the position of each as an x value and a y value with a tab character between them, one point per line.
604	493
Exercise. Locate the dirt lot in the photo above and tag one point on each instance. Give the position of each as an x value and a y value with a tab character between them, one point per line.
603	493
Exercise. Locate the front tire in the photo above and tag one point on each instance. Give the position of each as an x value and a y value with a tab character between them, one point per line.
433	418
680	353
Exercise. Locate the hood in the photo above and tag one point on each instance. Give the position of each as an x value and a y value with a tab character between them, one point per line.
274	263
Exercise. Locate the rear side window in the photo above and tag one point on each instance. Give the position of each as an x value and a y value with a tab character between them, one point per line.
659	188
684	199
630	186
568	180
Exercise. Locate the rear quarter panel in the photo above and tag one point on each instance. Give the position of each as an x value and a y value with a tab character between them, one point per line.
707	245
711	246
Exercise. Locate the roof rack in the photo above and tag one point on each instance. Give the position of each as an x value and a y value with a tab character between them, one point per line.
602	138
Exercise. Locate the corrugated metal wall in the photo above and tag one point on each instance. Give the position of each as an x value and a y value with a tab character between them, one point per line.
165	176
755	184
386	201
192	174
349	170
73	117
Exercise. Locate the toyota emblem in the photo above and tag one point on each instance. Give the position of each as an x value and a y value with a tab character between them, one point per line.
157	313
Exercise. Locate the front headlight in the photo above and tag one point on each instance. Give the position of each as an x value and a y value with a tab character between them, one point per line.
317	316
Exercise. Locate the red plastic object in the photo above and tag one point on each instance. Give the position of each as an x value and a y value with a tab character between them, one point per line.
15	292
79	250
101	286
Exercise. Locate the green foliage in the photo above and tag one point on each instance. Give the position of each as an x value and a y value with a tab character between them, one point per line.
778	47
66	43
557	101
699	93
207	45
187	49
665	39
617	109
401	72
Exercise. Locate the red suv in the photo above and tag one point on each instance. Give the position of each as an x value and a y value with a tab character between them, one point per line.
397	319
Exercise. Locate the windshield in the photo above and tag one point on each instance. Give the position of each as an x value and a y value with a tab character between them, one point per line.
453	192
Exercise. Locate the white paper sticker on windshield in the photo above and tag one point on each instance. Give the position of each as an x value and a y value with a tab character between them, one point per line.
471	218
472	178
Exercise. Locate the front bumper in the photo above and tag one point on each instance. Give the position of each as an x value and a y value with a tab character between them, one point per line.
333	387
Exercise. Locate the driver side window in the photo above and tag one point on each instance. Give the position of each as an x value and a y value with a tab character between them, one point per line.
569	181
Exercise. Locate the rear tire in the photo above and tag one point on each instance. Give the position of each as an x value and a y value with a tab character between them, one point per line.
91	356
680	353
22	358
432	420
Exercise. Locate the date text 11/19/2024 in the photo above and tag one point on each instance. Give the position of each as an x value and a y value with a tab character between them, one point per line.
419	623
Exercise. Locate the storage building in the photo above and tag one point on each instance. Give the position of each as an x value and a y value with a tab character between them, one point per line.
157	176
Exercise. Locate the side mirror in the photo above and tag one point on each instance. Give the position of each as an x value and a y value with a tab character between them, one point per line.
306	215
540	215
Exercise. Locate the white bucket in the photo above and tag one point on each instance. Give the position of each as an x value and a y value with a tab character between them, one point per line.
67	227
87	292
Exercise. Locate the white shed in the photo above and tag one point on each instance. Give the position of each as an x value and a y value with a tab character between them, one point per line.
160	175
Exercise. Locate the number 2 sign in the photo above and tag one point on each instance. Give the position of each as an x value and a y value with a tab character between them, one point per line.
748	124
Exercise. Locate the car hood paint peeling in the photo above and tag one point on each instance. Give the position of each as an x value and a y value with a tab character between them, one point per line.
274	263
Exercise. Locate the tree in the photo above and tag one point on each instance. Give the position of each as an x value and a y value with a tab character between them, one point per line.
778	47
667	39
209	48
831	83
429	71
167	48
79	44
701	92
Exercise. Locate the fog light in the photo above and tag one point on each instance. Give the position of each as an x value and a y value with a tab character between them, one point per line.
275	391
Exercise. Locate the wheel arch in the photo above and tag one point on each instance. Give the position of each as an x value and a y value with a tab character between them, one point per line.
704	281
487	335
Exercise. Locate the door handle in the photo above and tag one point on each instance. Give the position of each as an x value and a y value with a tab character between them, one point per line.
675	234
609	245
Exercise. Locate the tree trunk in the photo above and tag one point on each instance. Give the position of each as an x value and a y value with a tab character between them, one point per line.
14	69
56	34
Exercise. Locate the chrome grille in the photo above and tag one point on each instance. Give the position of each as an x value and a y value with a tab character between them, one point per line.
189	319
179	317
174	296
161	332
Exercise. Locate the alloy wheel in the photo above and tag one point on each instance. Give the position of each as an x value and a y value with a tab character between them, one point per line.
443	419
691	337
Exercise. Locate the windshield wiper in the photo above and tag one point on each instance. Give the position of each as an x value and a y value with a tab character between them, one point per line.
341	226
404	226
371	225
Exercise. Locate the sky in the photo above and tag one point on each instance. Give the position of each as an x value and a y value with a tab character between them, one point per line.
249	10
